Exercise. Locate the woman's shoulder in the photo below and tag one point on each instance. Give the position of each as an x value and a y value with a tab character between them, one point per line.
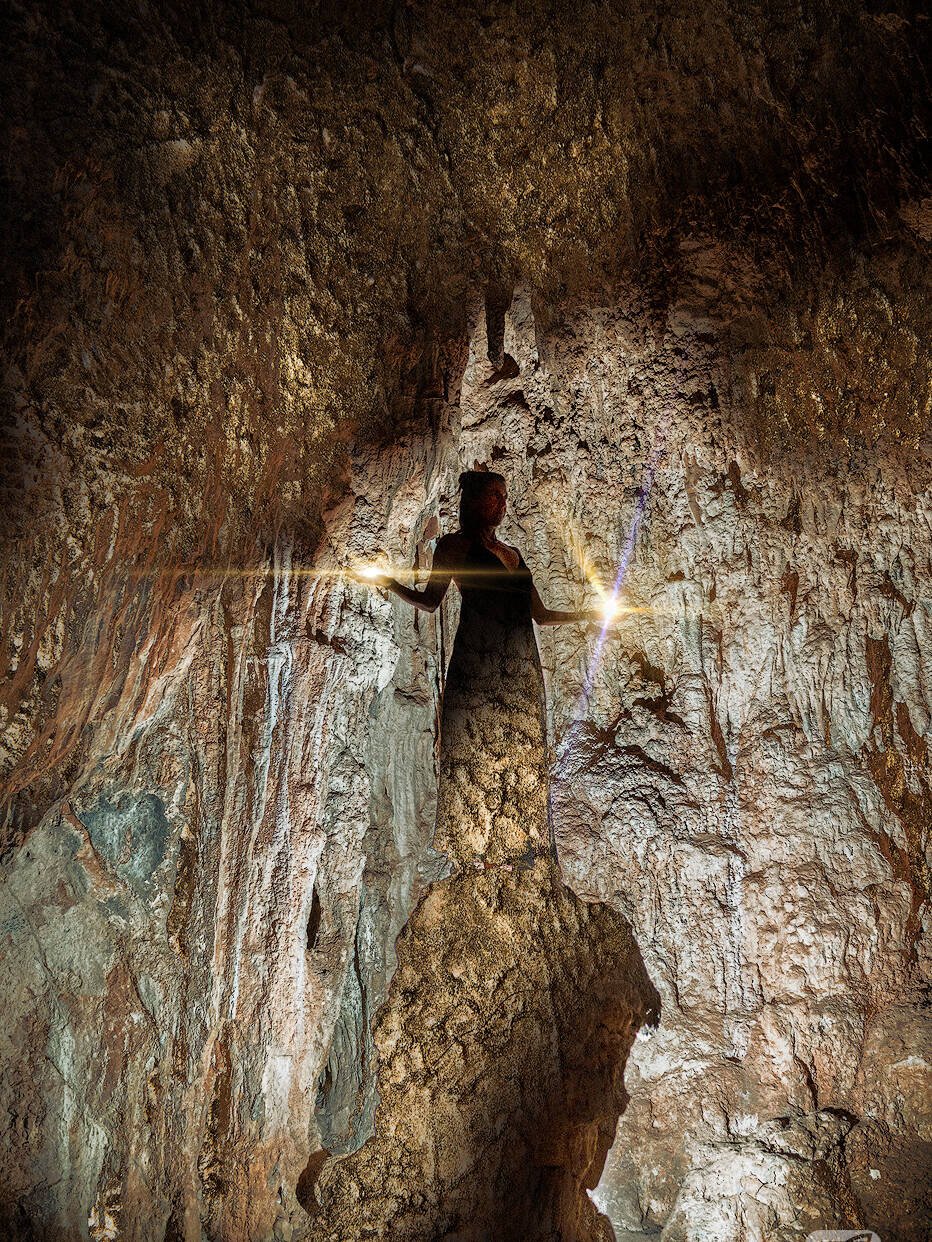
453	543
520	563
517	551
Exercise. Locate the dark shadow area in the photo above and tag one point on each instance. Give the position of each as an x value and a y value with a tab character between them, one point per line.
17	1224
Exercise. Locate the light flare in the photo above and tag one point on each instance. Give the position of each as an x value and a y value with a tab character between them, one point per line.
609	602
577	545
365	571
624	561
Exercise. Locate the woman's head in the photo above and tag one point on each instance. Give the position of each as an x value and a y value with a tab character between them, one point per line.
482	503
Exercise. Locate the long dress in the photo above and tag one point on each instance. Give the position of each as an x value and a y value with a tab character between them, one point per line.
502	1043
492	805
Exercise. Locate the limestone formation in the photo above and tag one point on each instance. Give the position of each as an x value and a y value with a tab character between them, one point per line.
275	273
744	773
501	1052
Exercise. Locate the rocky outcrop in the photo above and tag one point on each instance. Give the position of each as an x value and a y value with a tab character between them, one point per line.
502	1050
241	252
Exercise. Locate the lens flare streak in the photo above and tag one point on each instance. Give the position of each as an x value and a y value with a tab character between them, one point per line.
365	574
611	599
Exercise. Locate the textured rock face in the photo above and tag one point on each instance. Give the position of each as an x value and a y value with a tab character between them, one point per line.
742	769
241	251
184	962
502	1049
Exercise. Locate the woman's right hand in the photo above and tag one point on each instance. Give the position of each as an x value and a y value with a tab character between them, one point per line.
601	618
372	576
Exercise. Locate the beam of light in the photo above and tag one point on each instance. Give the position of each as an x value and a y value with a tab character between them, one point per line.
337	573
610	601
371	571
577	545
360	574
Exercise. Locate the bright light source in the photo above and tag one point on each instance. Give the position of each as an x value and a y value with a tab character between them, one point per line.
610	607
370	571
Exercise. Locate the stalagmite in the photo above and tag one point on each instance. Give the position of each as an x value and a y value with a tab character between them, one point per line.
501	1049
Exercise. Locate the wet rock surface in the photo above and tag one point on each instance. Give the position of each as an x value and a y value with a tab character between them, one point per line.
273	278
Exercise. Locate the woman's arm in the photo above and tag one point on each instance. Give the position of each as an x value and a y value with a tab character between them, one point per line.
441	575
552	616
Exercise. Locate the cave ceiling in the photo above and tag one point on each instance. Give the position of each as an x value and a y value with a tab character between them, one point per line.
256	217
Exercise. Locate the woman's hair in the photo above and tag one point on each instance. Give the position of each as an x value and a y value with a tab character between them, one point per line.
473	484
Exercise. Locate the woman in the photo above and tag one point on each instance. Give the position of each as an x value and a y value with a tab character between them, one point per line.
492	797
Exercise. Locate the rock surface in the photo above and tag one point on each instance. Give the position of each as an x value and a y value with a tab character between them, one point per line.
245	256
502	1051
743	767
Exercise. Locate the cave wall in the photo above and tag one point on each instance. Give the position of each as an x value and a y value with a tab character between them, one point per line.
244	256
196	939
745	774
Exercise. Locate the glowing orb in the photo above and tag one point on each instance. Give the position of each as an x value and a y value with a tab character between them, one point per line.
371	571
610	608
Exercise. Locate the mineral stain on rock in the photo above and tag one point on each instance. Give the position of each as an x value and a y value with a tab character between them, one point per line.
131	833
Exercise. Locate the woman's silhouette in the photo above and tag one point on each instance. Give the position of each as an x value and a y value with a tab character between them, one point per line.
514	1004
492	795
